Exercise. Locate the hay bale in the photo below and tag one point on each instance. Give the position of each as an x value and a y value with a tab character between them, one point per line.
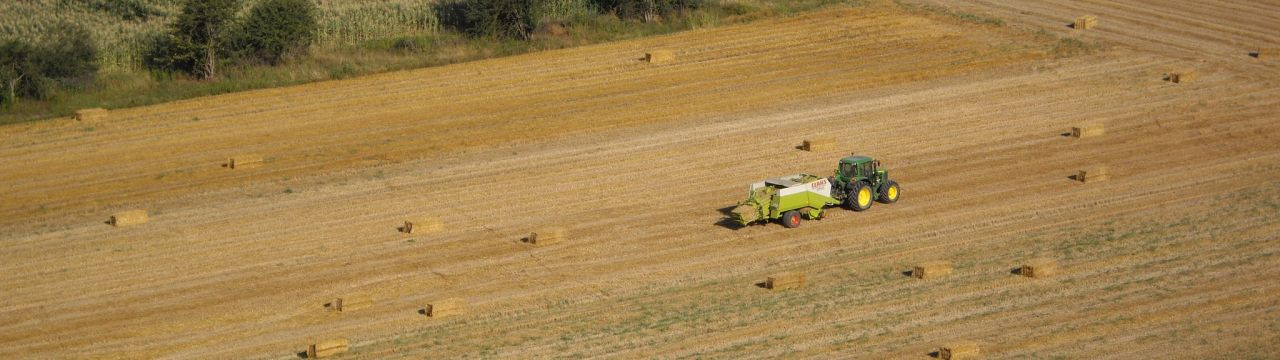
327	348
1090	130
1184	76
428	225
126	218
659	56
445	307
1038	268
91	115
350	303
1095	174
958	351
819	144
1267	53
244	161
547	236
784	281
931	269
1085	22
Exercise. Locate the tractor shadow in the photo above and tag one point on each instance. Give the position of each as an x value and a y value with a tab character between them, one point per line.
727	222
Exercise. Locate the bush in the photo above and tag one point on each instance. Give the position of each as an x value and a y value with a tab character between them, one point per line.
65	58
504	19
275	29
195	40
128	10
646	9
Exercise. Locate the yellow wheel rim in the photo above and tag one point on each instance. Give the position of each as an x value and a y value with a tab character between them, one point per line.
864	197
893	193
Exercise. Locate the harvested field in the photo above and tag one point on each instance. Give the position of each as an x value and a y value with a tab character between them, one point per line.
1177	257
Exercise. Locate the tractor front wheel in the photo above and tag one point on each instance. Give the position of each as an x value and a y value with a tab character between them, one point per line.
889	192
791	219
860	198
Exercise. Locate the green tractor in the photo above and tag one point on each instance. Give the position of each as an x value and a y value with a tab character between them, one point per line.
858	182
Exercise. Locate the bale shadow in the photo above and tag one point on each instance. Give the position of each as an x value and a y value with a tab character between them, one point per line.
1255	54
1065	134
302	354
935	354
1071	25
524	240
422	312
1016	270
908	273
1075	178
727	222
763	285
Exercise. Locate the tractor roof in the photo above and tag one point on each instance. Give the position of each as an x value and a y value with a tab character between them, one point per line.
856	159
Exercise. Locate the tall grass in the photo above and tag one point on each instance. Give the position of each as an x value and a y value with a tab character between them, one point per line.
355	38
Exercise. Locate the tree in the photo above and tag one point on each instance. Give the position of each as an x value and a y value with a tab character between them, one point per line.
64	56
277	28
511	19
202	27
645	9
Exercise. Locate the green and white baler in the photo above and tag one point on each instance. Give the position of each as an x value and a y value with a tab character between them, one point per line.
858	181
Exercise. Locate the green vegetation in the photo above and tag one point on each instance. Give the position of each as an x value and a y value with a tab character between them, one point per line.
152	51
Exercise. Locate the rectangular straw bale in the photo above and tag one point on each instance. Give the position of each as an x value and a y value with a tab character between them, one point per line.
327	348
1085	22
958	351
819	144
350	303
90	115
659	56
1267	53
784	281
1038	268
1089	130
446	307
548	236
1184	76
244	161
423	224
1095	174
126	218
931	269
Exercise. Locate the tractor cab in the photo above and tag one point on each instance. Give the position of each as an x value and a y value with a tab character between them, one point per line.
856	168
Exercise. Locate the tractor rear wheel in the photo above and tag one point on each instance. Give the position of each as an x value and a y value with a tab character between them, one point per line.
860	198
889	192
791	219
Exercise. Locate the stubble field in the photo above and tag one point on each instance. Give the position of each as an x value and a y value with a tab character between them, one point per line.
1175	255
